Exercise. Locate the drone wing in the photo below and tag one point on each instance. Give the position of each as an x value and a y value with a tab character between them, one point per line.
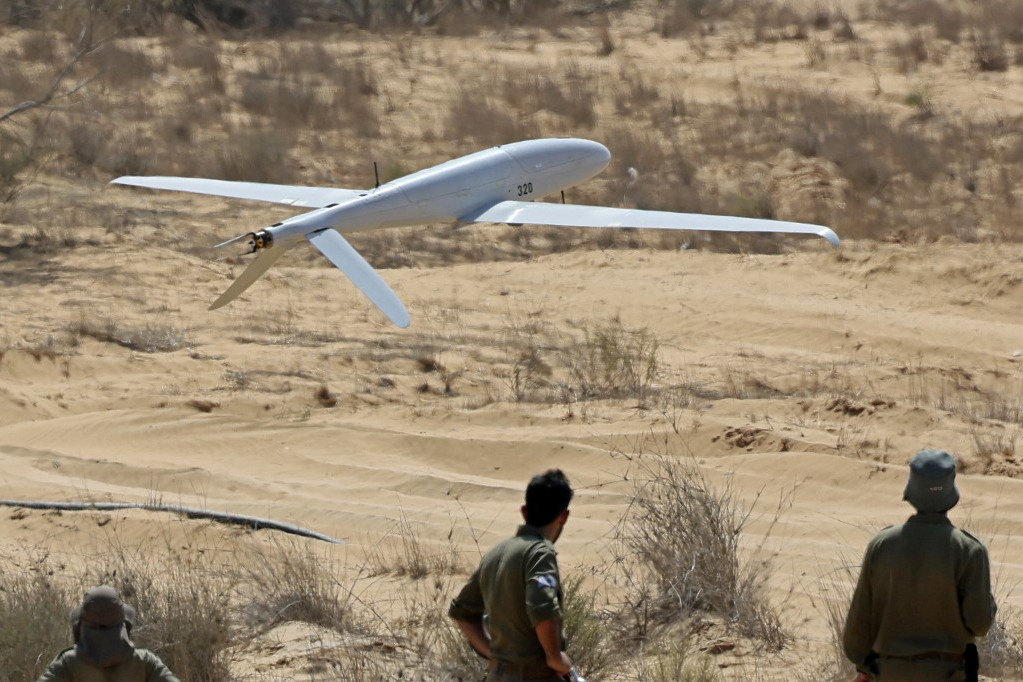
292	195
573	215
343	255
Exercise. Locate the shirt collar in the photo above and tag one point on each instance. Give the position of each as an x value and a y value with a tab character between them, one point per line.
937	518
526	530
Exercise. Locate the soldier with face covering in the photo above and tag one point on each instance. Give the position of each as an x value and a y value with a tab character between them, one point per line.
103	650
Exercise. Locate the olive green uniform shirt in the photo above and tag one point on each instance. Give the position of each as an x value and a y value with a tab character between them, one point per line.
144	666
924	587
517	584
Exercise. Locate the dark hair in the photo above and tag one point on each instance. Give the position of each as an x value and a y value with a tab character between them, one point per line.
547	495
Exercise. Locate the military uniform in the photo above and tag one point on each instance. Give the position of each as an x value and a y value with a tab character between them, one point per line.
143	666
923	594
518	585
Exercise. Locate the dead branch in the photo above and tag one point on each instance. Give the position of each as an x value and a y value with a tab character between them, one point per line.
86	46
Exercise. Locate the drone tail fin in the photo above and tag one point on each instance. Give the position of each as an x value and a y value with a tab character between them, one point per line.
264	260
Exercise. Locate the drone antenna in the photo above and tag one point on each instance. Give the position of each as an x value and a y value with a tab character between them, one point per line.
562	196
376	174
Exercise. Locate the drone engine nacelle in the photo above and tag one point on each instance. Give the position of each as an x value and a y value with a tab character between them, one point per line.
263	239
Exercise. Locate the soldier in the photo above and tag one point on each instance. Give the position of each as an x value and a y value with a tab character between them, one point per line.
924	591
518	588
103	651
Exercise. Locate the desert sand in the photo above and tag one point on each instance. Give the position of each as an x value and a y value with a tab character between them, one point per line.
809	375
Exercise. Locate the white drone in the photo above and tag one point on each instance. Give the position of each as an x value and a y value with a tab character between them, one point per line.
492	186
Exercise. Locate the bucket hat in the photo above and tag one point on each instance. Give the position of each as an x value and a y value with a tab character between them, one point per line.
931	486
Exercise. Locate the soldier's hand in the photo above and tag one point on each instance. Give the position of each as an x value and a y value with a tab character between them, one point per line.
560	663
863	677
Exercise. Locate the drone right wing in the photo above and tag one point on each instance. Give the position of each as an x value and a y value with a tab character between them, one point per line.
576	215
292	195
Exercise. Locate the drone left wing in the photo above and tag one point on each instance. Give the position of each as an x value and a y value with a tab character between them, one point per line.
292	195
574	215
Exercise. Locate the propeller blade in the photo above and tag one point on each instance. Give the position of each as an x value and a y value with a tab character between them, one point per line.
344	256
256	268
233	240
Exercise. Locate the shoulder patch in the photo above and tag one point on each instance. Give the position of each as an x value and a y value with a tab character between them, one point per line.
548	580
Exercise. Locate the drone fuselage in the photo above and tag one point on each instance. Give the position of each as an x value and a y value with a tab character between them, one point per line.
520	171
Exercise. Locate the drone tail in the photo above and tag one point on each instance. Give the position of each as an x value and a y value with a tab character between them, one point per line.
264	260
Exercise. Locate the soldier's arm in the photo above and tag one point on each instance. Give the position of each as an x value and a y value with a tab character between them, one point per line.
156	671
858	636
57	670
549	633
477	635
975	598
467	611
543	606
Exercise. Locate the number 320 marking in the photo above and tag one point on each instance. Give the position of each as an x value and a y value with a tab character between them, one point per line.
525	188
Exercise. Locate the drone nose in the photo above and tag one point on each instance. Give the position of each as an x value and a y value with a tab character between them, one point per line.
599	155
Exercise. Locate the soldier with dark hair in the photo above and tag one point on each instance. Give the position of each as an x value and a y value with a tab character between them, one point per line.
924	591
518	588
103	650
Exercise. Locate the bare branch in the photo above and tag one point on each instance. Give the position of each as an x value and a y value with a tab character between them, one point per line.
86	46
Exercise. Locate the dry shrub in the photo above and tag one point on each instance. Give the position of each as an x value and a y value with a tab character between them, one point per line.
572	98
147	338
129	152
588	639
1003	17
88	141
1001	650
613	362
416	561
204	57
35	626
123	66
637	95
18	159
256	155
679	544
836	589
38	46
18	84
291	105
287	583
989	53
908	53
474	114
773	21
679	660
946	17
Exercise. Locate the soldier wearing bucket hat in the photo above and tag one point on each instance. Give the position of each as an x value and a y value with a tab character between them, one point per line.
924	591
103	651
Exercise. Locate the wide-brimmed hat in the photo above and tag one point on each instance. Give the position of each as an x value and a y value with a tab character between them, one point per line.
101	626
931	486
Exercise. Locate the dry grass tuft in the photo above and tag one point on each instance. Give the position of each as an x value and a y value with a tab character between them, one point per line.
288	584
148	338
679	545
613	362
